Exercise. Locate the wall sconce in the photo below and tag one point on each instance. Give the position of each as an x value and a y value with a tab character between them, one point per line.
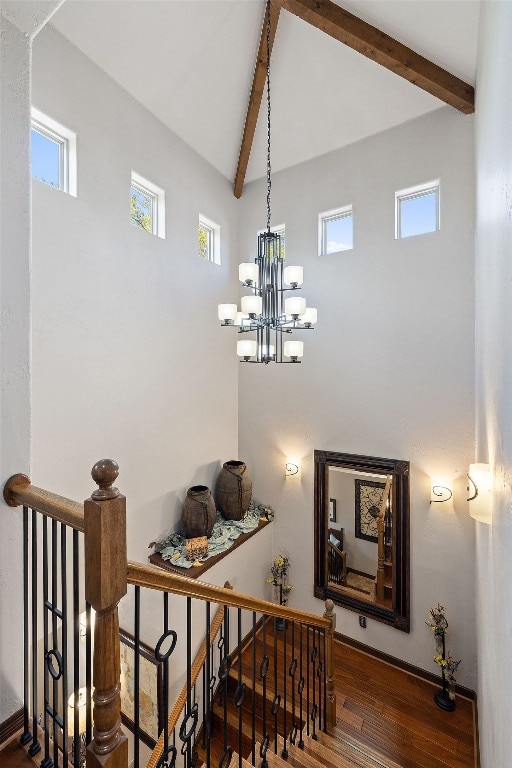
83	624
292	467
440	493
480	492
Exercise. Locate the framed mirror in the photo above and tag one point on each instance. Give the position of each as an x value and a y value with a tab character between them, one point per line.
362	535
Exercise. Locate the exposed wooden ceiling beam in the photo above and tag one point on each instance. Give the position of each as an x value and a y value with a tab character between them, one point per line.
258	84
362	37
377	46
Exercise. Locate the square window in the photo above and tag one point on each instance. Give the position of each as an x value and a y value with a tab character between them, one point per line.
53	149
209	240
417	210
147	206
335	231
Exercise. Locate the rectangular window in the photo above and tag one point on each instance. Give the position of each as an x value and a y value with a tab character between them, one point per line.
209	240
53	153
417	210
147	206
335	231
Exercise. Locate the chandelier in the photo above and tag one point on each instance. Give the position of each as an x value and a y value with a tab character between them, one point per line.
272	309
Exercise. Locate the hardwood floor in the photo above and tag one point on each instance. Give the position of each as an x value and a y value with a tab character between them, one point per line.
393	713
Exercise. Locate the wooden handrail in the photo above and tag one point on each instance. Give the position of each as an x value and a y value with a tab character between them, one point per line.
155	578
194	674
18	491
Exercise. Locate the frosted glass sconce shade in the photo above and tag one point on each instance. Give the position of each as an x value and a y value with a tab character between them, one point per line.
480	492
248	273
295	306
293	349
227	313
82	711
251	305
439	493
310	316
293	276
292	467
246	348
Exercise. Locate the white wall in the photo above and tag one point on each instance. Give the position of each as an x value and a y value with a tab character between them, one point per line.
387	372
494	378
129	360
14	341
361	554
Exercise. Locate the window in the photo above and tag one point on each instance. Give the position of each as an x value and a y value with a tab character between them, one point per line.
417	210
53	153
147	206
279	230
209	240
335	231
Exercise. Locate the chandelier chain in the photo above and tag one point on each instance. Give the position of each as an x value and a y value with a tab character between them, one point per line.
269	178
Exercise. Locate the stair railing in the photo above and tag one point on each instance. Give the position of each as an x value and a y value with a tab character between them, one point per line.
303	688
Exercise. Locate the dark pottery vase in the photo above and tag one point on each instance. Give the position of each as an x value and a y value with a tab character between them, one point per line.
198	514
233	491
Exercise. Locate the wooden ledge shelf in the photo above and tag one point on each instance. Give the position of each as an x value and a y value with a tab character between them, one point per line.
195	572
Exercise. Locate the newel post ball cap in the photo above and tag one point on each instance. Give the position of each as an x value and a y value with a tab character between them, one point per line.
104	473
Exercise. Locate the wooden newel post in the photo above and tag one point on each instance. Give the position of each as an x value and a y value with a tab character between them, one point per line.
329	665
105	585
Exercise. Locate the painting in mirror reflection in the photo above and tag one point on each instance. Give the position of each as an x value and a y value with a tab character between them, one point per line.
359	542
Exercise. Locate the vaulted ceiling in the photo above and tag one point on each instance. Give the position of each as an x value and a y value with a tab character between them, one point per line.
191	63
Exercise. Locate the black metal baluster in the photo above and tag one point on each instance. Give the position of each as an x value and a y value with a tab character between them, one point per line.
325	680
300	690
284	753
253	689
189	678
320	671
240	691
224	669
76	649
307	680
291	672
314	707
136	682
165	676
26	735
47	761
208	719
163	652
203	678
35	746
64	626
277	698
55	651
194	741
88	673
263	676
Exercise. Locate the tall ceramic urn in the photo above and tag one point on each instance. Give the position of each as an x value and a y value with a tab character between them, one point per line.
198	513
233	491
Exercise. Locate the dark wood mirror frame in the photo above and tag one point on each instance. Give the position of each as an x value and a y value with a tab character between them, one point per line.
399	615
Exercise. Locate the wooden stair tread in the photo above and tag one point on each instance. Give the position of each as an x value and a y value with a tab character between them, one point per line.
344	756
340	742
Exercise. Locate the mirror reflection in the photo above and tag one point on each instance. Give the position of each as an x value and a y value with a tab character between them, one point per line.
361	543
359	535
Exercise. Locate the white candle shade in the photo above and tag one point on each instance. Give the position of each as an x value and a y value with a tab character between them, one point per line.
81	704
248	273
246	348
295	305
240	317
267	352
293	275
251	305
227	312
293	348
309	316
